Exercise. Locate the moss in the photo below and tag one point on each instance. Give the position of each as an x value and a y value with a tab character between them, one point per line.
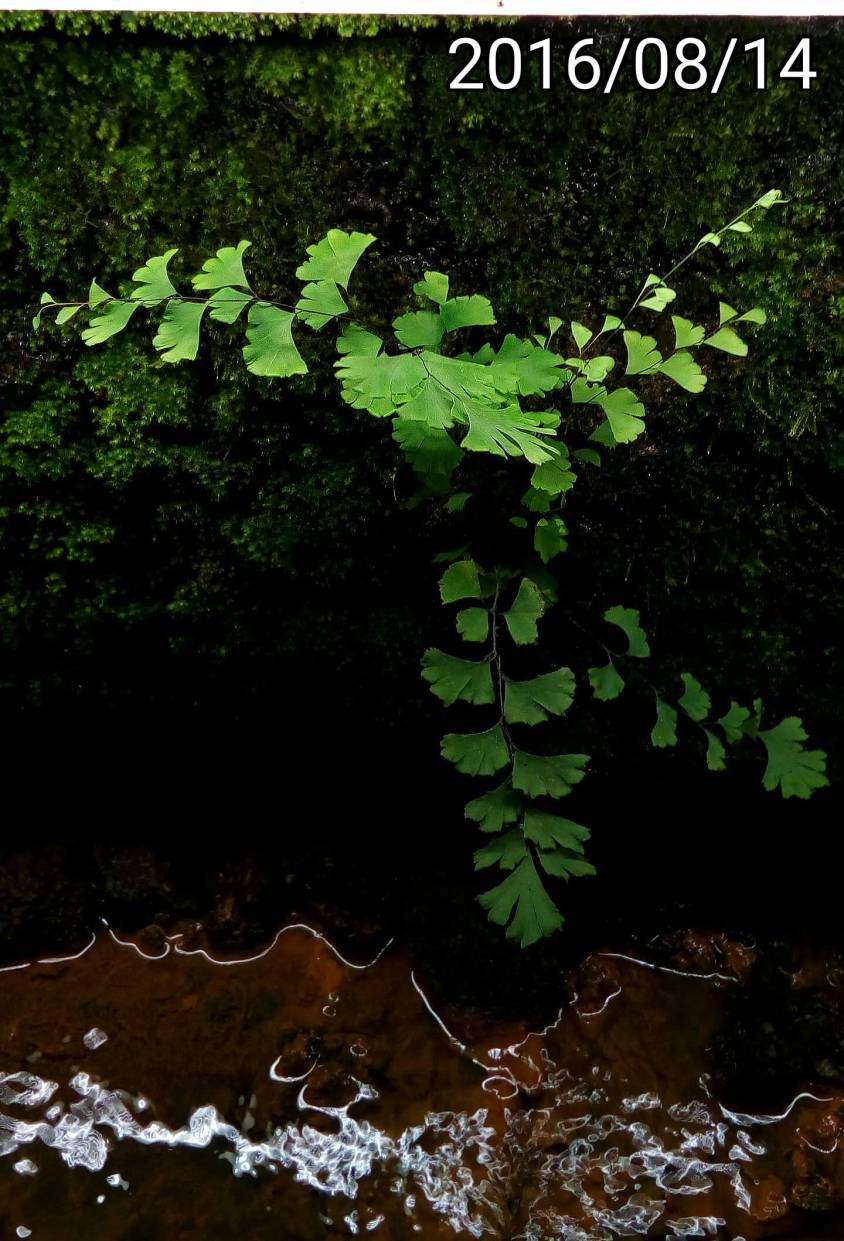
147	510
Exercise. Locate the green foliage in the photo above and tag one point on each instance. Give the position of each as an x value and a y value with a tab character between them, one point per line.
270	349
224	269
525	611
177	339
451	678
606	681
441	406
582	336
528	702
555	476
320	302
522	901
686	333
664	731
796	771
549	538
461	580
477	754
493	810
524	834
433	286
420	329
733	722
473	624
695	700
642	354
108	322
658	294
335	257
504	431
727	341
226	305
155	286
682	368
473	311
551	775
715	752
550	831
624	415
210	509
523	367
470	399
627	620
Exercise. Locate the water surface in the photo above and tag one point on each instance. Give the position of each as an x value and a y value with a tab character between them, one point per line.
148	1091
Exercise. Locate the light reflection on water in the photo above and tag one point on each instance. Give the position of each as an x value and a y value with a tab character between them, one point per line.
351	1105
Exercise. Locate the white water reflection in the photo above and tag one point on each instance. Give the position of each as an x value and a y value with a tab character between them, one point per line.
637	1159
333	1163
559	1154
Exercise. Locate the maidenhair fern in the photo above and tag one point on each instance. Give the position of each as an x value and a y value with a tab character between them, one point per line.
442	403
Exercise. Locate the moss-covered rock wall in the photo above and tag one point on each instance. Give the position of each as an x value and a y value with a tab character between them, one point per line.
183	538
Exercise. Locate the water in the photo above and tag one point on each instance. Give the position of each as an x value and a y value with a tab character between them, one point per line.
150	1091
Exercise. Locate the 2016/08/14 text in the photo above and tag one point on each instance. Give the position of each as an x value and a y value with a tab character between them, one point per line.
690	65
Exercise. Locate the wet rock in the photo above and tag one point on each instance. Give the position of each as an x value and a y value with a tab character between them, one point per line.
739	958
777	1035
135	884
299	1050
616	1116
249	902
596	983
46	903
152	940
698	952
190	934
819	1194
802	1165
768	1200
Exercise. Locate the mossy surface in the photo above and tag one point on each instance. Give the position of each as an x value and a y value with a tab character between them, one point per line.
194	540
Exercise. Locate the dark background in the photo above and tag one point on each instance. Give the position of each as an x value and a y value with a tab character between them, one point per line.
212	607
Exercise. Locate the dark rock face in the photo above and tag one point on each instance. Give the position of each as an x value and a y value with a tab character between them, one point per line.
46	899
776	1036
